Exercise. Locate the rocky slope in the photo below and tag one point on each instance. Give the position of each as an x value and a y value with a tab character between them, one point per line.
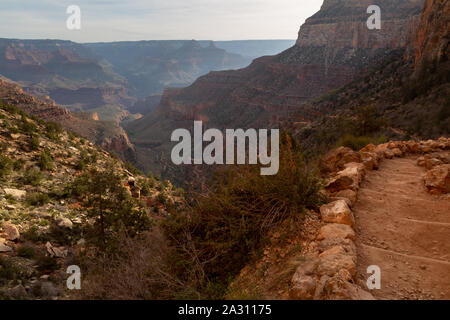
42	223
334	47
107	134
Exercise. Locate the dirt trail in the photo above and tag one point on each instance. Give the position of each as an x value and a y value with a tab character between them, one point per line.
405	231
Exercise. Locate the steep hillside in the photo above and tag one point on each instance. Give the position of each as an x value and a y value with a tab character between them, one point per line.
47	176
107	134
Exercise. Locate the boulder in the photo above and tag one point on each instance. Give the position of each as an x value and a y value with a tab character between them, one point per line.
437	180
413	146
349	178
397	152
303	289
4	248
12	233
388	154
55	251
334	230
370	160
431	163
369	148
10	207
64	223
17	194
339	287
17	292
349	194
337	212
339	183
331	264
333	250
303	283
337	158
329	243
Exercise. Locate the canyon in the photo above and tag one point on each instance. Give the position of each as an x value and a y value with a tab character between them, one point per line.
334	48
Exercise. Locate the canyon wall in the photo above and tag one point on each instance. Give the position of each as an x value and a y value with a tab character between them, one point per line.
334	47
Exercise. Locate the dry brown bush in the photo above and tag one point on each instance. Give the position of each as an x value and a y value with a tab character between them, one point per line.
139	268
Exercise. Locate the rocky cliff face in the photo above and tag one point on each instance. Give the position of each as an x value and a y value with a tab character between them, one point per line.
334	47
432	39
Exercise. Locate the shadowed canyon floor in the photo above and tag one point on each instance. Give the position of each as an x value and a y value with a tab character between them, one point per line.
404	230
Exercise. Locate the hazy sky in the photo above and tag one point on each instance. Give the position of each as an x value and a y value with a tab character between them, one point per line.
113	20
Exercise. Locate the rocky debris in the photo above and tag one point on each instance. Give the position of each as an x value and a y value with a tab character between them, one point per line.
437	180
303	281
429	161
332	263
349	178
332	241
57	252
370	160
64	223
4	248
348	194
45	289
17	292
17	194
336	159
337	212
335	230
11	231
339	183
341	288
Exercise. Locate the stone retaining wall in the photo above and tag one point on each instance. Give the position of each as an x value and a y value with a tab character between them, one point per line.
331	272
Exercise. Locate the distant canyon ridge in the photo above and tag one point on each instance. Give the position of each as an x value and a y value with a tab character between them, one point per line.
111	78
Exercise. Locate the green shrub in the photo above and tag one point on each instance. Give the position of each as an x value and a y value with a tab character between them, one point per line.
45	161
34	142
33	235
8	270
3	147
26	252
229	225
132	168
12	109
32	177
5	166
53	130
37	199
47	264
357	143
109	204
26	126
18	165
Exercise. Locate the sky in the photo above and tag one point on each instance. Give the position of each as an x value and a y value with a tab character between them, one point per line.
131	20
